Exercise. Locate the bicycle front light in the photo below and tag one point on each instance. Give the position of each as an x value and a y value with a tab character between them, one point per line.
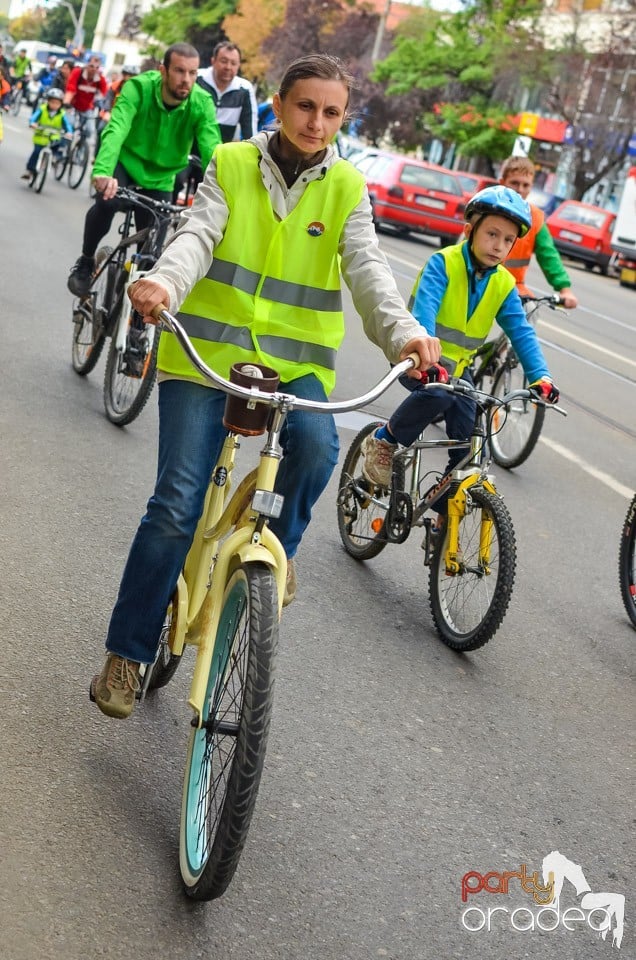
267	503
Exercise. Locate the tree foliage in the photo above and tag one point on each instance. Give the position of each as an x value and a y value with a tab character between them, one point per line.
249	26
195	21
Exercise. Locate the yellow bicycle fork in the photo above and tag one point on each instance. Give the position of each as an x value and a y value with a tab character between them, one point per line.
457	510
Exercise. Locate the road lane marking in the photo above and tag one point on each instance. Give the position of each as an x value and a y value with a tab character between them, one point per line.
594	472
587	343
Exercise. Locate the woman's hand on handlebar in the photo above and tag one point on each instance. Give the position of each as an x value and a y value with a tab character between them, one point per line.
568	299
145	296
429	351
107	186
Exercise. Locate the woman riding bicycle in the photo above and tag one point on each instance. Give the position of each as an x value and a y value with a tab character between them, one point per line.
458	295
255	272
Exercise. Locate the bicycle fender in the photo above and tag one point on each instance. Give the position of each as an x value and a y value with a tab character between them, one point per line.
180	613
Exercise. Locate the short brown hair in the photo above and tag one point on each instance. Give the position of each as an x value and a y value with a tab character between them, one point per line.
180	50
516	165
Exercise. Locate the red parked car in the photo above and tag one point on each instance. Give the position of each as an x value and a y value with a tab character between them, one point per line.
472	182
583	232
411	195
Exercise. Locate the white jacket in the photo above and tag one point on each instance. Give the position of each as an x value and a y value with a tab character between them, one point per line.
187	257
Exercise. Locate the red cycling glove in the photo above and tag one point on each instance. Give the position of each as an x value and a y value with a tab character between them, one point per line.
545	389
435	374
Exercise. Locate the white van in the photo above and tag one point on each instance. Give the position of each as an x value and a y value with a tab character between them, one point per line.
38	52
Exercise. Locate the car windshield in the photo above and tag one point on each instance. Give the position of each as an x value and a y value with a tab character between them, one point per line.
429	179
468	183
583	216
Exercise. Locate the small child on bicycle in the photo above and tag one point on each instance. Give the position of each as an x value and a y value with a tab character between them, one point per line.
458	295
49	121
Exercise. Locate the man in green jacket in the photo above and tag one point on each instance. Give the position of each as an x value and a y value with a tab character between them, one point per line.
145	144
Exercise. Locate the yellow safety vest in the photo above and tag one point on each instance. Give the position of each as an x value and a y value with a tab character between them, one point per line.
46	120
273	292
460	335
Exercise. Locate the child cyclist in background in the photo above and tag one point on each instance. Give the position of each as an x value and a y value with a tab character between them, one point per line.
53	119
255	271
457	297
517	173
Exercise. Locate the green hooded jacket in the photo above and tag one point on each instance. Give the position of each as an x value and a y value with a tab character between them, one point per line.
151	141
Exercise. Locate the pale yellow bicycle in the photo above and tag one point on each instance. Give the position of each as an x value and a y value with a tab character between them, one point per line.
227	605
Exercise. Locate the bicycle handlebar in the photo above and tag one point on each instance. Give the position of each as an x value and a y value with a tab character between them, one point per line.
159	206
552	299
489	400
278	398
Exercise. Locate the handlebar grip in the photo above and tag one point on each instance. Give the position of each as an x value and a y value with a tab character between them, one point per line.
157	311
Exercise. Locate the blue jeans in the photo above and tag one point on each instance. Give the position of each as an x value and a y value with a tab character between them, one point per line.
191	434
423	406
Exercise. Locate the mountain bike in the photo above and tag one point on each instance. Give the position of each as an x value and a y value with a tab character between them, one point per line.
227	604
46	156
77	154
627	562
106	312
514	429
472	558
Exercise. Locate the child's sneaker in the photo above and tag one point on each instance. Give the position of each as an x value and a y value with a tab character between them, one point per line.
378	460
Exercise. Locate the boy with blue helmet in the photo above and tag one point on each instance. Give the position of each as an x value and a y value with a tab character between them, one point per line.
457	297
50	123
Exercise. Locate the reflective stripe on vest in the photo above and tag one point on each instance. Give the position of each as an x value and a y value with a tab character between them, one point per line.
272	294
523	247
461	335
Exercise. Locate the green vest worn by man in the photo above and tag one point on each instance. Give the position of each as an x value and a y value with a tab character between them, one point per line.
41	137
459	334
273	292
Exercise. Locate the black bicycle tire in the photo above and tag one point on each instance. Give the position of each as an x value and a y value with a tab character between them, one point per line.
41	171
60	164
626	560
72	181
372	547
84	367
472	639
225	844
510	461
116	415
16	102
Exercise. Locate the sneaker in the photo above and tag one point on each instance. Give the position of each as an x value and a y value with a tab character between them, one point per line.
291	584
79	279
378	460
114	689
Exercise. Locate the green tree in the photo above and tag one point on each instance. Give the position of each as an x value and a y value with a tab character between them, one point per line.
59	26
28	26
195	21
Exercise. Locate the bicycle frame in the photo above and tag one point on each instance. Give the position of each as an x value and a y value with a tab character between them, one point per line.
216	551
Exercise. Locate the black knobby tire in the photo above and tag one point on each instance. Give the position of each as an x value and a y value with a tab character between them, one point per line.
88	318
225	760
468	607
513	430
77	164
358	514
126	389
165	666
41	171
627	562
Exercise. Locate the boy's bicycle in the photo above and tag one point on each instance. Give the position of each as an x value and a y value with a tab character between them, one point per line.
46	156
227	604
75	155
106	312
514	429
627	562
472	558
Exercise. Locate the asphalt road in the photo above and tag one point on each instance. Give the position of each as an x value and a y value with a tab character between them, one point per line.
395	766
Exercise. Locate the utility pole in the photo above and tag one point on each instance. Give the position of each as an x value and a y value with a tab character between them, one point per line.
78	22
379	36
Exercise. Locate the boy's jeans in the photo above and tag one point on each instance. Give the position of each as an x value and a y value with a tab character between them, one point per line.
423	406
190	438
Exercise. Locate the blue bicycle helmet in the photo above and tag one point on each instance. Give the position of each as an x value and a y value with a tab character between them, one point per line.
503	202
